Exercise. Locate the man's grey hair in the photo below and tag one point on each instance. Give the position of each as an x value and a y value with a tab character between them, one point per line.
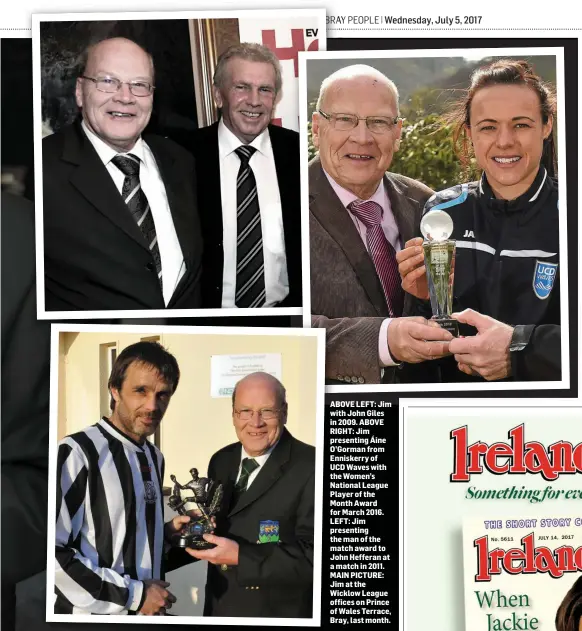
352	72
278	389
251	52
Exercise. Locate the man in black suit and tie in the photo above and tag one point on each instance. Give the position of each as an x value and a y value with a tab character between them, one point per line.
262	565
121	229
249	193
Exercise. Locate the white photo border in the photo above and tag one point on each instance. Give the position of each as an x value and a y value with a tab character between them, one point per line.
37	20
56	330
370	55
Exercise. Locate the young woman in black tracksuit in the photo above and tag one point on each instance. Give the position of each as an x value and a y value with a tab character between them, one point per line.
506	231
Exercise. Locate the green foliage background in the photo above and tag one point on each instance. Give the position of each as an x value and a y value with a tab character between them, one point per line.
426	152
428	88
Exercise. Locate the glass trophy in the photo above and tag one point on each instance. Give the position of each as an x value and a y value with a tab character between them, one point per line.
439	259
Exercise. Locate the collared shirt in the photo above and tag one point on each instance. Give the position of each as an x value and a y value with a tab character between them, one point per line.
380	196
259	459
173	265
263	165
390	228
109	529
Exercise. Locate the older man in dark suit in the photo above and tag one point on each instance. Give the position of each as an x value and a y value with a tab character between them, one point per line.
360	216
120	222
249	192
262	565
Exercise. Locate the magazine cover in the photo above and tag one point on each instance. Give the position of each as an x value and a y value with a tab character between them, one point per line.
522	572
494	490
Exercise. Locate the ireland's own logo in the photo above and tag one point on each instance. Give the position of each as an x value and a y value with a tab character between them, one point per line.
544	277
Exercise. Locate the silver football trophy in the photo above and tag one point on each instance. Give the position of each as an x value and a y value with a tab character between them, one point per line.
439	259
207	496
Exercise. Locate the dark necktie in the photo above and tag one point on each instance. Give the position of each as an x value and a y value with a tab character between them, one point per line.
382	253
248	465
138	204
250	266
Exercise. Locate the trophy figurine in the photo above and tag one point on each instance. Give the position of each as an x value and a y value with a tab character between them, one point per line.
207	495
439	259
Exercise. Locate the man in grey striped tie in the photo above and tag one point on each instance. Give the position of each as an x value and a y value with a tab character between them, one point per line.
250	198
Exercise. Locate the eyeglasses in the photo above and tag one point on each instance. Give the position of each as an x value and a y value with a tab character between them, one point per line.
111	85
267	414
346	122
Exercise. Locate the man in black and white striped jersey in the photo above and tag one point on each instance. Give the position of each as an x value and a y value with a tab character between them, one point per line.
109	524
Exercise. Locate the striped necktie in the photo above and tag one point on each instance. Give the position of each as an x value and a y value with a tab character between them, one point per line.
248	465
382	253
138	204
250	266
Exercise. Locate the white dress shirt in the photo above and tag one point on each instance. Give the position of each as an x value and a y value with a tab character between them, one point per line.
173	265
263	165
260	461
390	228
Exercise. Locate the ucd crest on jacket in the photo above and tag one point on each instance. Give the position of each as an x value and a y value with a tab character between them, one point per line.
544	278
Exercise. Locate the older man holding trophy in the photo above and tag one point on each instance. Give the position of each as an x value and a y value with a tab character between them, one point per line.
360	214
259	499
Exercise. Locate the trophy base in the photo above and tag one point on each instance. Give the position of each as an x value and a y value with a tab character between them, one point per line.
191	536
448	324
195	544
